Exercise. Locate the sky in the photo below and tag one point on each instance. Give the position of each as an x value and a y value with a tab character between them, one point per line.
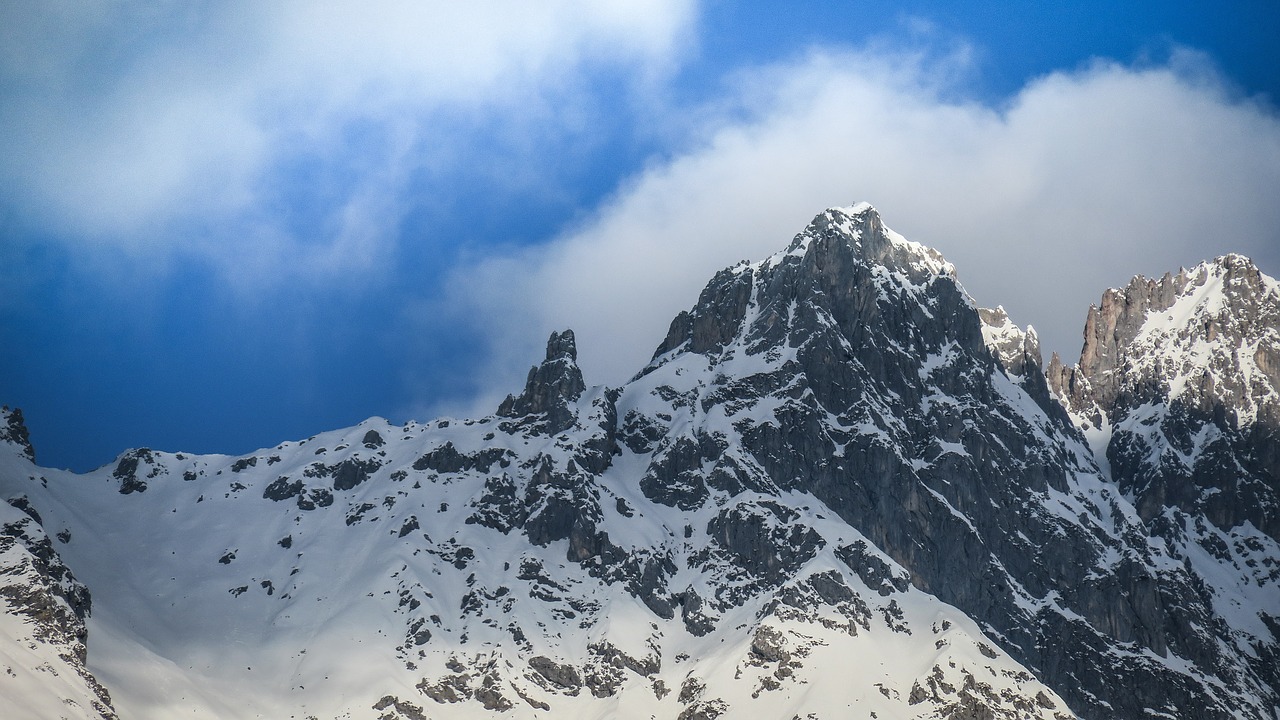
230	224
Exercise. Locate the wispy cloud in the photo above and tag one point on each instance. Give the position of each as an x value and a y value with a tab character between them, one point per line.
1081	180
146	129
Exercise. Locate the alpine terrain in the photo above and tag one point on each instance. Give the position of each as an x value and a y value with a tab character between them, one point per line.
839	489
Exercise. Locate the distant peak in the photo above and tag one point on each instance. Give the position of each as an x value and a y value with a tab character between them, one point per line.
1189	336
1228	267
1235	267
1233	260
1223	282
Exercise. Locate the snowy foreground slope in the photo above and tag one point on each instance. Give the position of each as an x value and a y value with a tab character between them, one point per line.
839	489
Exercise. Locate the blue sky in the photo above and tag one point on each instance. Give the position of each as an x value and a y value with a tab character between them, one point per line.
230	224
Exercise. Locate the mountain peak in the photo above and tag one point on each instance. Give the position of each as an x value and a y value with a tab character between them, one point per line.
860	226
843	267
1235	263
1194	324
1180	376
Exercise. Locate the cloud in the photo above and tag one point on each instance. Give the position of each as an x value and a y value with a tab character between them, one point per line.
185	126
1081	180
286	141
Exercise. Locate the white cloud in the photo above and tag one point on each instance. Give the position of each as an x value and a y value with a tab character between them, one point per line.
128	125
1082	180
124	124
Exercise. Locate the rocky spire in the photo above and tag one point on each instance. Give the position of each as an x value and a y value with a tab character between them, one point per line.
1018	352
14	431
1071	389
551	387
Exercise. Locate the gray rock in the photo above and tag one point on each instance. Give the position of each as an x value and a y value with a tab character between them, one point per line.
552	388
13	430
282	489
561	675
127	471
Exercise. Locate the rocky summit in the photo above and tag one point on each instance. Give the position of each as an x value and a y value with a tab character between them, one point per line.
838	489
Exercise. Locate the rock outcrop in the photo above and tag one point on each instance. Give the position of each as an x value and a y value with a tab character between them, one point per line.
13	431
552	387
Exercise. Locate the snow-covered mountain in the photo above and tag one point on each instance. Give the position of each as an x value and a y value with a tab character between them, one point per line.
1178	390
839	489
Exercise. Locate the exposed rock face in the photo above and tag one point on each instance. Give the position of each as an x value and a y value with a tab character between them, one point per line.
1179	388
552	386
42	629
14	431
833	459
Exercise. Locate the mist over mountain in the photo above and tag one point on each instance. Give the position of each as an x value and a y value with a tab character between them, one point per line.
839	488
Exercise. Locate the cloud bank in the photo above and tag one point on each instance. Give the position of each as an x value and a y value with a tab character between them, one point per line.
192	127
288	150
1077	183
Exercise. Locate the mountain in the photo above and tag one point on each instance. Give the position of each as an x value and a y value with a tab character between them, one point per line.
838	489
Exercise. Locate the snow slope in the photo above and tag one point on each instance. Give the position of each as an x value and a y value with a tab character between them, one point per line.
214	601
